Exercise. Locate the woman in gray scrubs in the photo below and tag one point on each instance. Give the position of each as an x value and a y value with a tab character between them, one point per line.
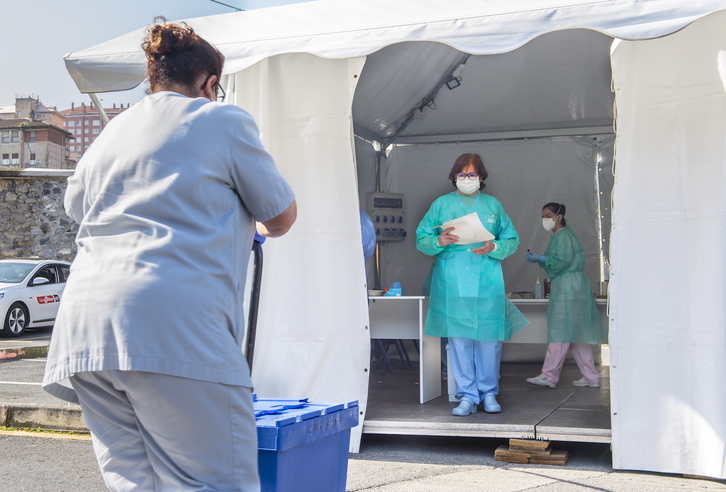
150	328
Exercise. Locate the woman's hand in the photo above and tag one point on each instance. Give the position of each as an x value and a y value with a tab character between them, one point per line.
447	237
483	250
534	257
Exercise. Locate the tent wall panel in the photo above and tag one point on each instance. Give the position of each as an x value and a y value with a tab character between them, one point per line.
668	341
316	271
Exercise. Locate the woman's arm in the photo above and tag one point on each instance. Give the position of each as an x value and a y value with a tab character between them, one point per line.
427	235
559	255
279	225
507	240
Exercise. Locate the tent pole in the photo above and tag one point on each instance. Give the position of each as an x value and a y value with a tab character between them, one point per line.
97	103
598	161
377	256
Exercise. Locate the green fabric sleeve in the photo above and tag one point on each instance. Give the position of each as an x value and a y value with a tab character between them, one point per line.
560	254
427	235
507	239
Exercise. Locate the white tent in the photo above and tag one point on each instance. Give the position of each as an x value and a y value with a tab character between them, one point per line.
550	91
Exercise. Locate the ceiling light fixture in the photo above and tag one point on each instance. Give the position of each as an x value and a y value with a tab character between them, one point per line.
453	82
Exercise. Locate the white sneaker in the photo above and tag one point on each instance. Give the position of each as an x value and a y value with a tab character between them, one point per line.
582	383
541	380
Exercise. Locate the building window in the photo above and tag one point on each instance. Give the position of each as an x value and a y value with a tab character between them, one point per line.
32	136
6	159
32	162
6	137
96	131
85	139
15	161
15	136
88	130
96	122
70	123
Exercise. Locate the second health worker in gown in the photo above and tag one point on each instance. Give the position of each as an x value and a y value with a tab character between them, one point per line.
467	299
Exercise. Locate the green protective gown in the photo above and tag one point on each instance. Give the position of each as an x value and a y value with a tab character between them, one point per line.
572	316
466	290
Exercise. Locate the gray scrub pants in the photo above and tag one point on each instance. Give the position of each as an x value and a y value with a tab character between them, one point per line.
154	432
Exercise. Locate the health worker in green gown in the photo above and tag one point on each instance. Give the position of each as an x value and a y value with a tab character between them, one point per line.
573	321
467	300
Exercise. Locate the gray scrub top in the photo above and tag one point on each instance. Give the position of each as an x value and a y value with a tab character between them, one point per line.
166	199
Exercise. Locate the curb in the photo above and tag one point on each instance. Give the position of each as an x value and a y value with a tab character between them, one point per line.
62	417
46	417
24	353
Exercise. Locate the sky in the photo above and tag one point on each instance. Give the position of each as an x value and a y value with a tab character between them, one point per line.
36	34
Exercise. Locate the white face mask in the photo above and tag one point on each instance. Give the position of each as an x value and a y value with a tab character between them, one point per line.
548	224
467	186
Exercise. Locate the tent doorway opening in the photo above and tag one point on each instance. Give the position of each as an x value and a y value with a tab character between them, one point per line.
541	117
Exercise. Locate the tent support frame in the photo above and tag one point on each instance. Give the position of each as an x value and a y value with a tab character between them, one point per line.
425	102
511	135
97	103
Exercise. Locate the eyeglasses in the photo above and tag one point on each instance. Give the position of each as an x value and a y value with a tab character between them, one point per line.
471	176
218	91
220	94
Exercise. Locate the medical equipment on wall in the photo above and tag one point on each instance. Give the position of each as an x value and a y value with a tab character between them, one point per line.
386	210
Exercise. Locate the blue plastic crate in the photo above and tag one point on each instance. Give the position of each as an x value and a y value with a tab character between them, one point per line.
303	446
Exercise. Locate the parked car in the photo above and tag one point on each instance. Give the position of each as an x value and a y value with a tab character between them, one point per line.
30	292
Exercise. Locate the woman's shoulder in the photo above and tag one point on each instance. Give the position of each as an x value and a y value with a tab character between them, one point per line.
566	234
489	201
441	202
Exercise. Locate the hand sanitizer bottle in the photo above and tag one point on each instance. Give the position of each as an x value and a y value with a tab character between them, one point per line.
538	289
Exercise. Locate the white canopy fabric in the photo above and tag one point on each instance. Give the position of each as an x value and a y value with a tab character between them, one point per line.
344	29
314	74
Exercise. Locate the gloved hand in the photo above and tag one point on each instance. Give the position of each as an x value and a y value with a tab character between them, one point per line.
534	257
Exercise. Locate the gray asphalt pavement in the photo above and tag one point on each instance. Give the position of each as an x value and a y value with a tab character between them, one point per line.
51	462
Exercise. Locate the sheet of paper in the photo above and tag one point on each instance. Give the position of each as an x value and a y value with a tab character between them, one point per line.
469	229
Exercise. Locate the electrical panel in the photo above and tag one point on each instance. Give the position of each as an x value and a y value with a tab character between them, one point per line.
386	210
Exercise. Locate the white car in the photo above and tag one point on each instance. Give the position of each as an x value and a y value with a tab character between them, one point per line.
30	292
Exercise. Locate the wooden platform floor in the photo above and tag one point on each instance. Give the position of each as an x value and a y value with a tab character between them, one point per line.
566	413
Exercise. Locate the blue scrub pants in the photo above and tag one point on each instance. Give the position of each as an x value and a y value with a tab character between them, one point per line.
155	432
475	367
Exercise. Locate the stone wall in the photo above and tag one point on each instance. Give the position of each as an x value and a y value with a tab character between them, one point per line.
34	222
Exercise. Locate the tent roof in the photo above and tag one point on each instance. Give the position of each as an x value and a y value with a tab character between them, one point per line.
346	28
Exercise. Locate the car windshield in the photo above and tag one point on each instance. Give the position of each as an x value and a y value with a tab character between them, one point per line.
14	273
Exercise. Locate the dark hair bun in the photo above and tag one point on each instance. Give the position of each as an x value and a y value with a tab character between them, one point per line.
176	57
167	39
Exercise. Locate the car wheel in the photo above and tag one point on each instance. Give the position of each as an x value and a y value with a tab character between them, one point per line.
16	320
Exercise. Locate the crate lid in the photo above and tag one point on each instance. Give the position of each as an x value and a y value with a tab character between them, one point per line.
282	424
276	412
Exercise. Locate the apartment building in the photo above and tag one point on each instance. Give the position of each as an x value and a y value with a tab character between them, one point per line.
84	122
32	109
35	135
27	143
